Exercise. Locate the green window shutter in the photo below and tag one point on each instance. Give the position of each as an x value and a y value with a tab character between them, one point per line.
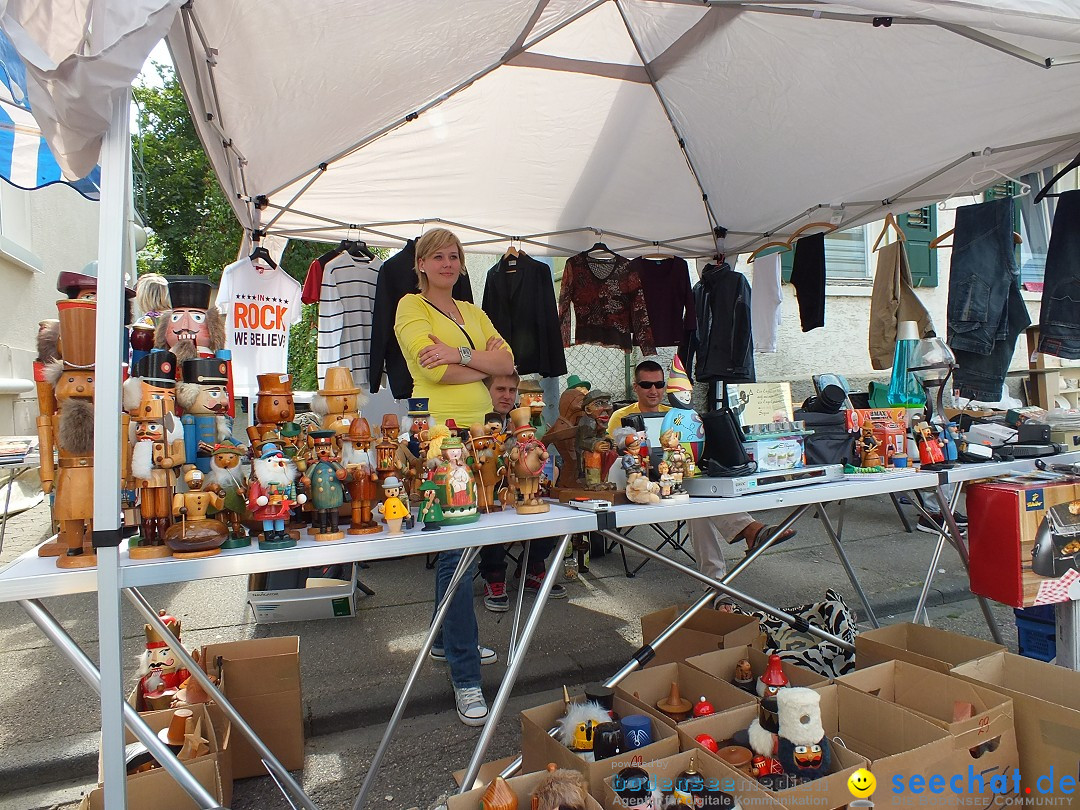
786	258
1007	188
920	227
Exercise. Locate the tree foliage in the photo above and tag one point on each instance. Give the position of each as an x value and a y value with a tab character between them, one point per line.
193	230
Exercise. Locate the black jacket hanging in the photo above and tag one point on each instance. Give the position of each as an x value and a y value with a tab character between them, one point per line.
723	346
397	278
520	300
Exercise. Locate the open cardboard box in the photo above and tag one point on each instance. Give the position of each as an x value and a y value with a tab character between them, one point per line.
828	792
721	664
927	647
156	789
261	679
707	630
935	696
322	598
1046	710
664	772
642	689
538	748
523	787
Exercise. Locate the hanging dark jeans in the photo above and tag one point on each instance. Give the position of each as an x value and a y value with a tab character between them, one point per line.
985	311
1059	316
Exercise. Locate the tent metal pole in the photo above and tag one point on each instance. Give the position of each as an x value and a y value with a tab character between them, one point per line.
997	44
423	108
296	196
1054	61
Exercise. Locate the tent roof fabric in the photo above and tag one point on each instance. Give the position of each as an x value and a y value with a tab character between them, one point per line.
646	121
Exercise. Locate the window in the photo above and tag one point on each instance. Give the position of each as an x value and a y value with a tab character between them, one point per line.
847	254
1034	222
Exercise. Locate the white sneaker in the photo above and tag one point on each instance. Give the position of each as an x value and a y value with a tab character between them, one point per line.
487	655
471	706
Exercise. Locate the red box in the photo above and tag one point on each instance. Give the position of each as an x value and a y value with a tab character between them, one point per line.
1003	517
890	428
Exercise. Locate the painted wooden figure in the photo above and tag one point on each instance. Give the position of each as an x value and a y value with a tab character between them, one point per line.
392	508
195	534
324	481
159	675
487	465
338	401
363	480
593	444
526	462
204	396
431	514
457	488
192	328
228	478
271	493
868	446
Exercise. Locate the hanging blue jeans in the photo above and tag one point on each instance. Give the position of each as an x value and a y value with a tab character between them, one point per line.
986	312
1059	316
459	635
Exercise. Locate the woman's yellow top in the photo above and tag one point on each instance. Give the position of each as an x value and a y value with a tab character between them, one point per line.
465	403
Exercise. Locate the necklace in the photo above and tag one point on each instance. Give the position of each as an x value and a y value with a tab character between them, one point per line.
453	314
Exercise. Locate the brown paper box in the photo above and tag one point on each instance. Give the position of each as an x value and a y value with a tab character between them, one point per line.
523	787
927	647
487	772
261	679
721	664
538	748
644	688
160	719
665	771
1046	710
707	630
828	792
156	790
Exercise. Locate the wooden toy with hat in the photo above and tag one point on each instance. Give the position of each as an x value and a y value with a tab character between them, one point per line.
228	479
159	676
594	445
487	466
526	462
271	493
339	401
391	457
273	407
531	396
192	328
457	487
156	455
363	480
563	433
324	481
431	514
392	508
204	396
195	534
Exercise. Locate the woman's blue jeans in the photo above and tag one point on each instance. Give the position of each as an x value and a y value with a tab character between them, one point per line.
459	636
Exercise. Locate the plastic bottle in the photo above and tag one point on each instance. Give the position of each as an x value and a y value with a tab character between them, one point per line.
904	389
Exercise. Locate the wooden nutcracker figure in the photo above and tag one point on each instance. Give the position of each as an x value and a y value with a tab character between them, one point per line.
159	675
228	478
325	481
487	465
594	446
194	534
525	462
338	402
192	328
271	493
157	452
69	431
204	396
363	480
419	423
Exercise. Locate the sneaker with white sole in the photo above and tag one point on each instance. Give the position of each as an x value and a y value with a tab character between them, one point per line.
487	655
471	707
925	525
495	598
534	581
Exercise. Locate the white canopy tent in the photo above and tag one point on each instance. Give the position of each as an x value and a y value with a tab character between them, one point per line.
646	120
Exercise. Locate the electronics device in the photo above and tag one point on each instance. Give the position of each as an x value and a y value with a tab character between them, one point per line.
1057	543
589	504
990	433
733	486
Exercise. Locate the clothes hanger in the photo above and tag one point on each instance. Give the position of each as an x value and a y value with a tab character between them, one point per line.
1023	188
355	247
758	251
511	257
600	247
828	226
937	241
262	254
657	255
890	222
1045	192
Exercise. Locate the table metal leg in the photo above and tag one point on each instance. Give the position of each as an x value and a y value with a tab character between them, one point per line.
835	538
277	770
89	673
10	484
467	558
900	511
111	658
511	650
920	606
507	685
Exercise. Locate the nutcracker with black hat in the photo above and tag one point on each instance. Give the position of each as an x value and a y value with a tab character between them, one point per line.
204	396
526	462
192	328
339	401
325	479
271	493
159	674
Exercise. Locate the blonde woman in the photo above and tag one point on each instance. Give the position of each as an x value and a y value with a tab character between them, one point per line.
450	347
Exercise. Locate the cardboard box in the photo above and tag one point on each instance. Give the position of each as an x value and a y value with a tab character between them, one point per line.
1046	710
985	739
828	792
927	647
261	679
538	748
890	428
642	689
707	630
156	789
321	599
523	787
721	664
1003	517
665	771
780	453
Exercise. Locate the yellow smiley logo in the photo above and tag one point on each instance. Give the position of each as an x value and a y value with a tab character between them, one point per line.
862	784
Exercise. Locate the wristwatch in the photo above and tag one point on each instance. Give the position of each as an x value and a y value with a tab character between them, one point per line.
466	355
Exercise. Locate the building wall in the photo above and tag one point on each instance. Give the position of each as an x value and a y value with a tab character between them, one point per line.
51	229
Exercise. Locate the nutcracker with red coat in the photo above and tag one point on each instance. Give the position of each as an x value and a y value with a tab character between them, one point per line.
271	494
159	675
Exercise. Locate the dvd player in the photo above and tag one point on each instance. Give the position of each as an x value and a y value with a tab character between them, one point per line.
703	487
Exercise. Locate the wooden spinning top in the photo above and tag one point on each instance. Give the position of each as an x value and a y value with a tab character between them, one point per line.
674	706
498	796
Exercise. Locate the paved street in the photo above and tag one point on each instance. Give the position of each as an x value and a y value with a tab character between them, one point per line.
352	669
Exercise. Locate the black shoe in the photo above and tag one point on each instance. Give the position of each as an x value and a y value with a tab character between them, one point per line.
930	528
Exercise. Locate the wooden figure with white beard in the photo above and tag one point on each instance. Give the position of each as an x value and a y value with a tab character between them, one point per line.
271	493
228	477
157	452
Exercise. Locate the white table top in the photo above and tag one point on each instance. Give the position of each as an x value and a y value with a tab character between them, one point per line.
990	469
31	577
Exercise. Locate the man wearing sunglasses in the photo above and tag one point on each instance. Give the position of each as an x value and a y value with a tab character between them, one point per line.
705	533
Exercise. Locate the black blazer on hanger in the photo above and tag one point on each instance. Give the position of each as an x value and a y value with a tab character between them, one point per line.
522	308
397	278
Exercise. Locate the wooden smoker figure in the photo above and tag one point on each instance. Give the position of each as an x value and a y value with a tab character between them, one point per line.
324	480
526	461
156	453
